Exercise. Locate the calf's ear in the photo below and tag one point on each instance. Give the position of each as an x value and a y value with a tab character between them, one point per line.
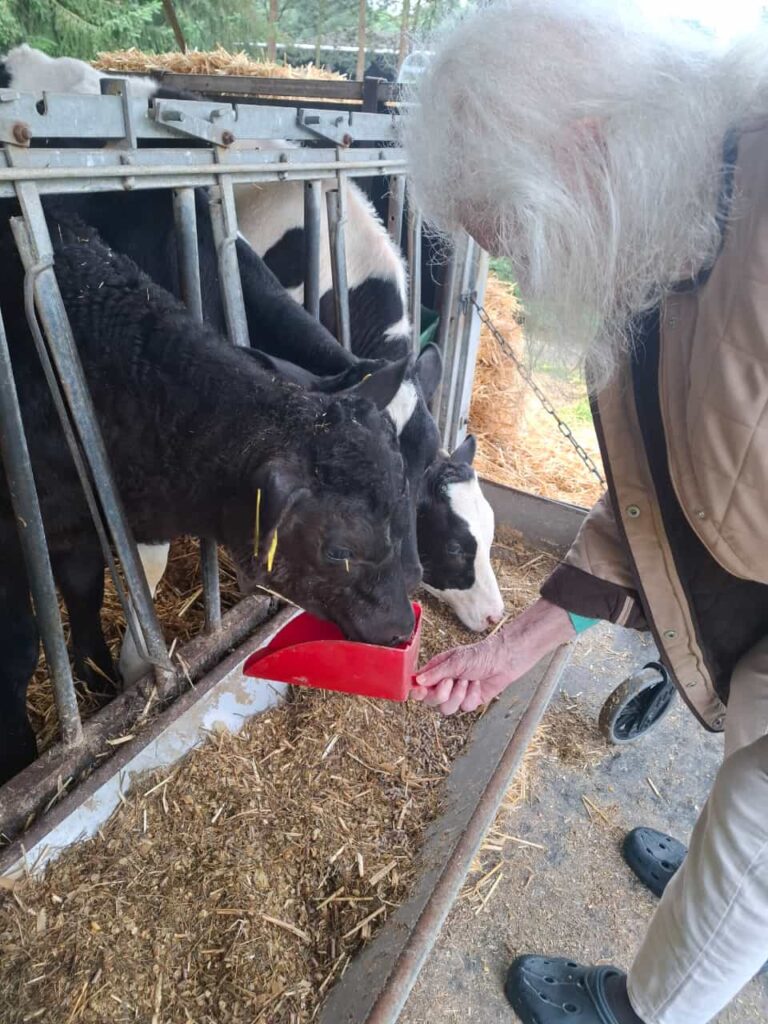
429	370
381	386
465	453
282	368
278	488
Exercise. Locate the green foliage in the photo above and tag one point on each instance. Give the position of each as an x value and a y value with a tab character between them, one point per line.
81	28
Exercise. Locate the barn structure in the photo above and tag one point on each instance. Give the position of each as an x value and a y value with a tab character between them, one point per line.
344	131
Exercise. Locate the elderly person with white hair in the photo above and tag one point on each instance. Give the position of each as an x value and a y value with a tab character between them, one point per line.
623	169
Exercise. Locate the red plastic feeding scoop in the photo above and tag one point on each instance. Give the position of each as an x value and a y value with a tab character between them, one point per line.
312	652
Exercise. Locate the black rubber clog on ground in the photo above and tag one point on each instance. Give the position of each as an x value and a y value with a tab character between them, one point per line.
557	991
653	856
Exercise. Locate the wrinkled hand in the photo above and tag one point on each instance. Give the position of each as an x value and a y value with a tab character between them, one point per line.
466	677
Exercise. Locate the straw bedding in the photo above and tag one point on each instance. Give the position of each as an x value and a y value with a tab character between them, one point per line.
239	885
519	443
214	62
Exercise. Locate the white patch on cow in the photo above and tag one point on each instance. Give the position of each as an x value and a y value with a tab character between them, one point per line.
34	71
481	603
154	559
266	212
403	405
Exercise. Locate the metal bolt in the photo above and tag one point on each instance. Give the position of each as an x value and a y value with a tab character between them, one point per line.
227	138
701	514
346	139
633	511
718	722
670	634
21	133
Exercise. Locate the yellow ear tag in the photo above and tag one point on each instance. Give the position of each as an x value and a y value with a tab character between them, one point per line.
256	524
271	552
365	378
346	563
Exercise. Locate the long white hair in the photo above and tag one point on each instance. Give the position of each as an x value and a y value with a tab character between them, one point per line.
586	144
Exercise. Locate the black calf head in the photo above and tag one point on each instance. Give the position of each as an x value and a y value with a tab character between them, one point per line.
332	517
455	532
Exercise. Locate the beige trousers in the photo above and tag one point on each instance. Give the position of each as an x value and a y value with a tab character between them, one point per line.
709	935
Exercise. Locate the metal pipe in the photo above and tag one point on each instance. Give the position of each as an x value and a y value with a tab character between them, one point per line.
395	209
36	252
414	276
23	173
337	217
313	191
29	522
418	944
185	219
224	220
447	311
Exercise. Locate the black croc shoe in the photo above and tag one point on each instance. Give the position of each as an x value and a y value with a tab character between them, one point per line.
653	856
557	991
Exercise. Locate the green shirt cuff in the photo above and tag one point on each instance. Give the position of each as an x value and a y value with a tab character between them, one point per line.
581	622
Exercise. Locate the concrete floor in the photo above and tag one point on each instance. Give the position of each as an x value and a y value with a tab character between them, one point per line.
576	897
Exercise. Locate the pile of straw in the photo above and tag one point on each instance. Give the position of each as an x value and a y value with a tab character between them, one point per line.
239	885
519	443
215	62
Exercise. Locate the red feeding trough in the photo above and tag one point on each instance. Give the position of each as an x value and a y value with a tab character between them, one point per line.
312	652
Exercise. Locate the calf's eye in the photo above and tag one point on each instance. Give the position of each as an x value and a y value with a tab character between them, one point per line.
337	554
453	547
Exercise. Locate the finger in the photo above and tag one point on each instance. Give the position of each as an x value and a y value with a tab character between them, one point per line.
437	695
453	703
444	666
474	697
418	692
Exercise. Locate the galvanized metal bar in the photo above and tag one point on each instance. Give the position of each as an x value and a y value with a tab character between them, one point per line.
185	219
396	208
375	986
119	87
29	523
313	213
446	311
414	275
337	218
452	332
470	342
66	171
72	116
37	257
224	219
458	348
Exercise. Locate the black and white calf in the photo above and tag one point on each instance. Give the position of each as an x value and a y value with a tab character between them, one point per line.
455	527
196	430
271	219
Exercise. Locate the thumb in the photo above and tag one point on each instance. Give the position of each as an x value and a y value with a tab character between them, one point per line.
447	665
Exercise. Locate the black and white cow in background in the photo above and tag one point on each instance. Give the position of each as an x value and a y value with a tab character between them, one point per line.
380	328
213	430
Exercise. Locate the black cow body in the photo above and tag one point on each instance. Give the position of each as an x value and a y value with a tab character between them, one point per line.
194	428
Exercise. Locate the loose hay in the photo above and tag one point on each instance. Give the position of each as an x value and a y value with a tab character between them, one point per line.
238	886
214	62
519	443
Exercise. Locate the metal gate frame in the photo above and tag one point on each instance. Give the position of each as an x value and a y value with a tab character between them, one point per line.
219	154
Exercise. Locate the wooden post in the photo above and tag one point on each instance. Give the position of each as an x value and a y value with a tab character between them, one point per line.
404	26
272	31
173	21
360	70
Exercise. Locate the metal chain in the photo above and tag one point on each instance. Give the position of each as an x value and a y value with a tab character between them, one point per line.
562	426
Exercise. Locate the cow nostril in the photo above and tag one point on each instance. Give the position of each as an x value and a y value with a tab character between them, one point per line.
493	619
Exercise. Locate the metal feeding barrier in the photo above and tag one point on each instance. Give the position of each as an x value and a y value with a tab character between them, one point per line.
116	142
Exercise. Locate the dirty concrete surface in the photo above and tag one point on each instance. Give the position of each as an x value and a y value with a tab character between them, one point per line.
575	897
